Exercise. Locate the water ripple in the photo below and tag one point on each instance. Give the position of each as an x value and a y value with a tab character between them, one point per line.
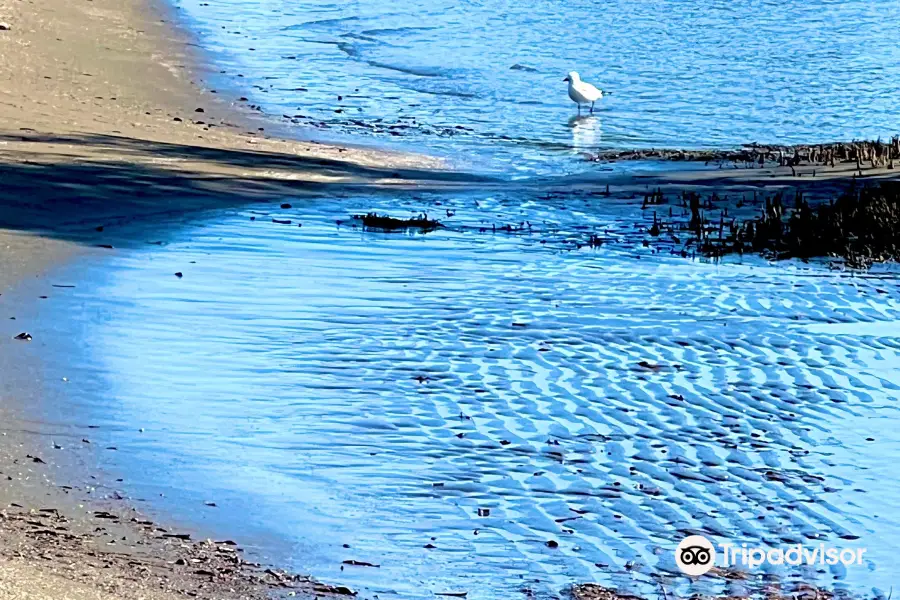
447	404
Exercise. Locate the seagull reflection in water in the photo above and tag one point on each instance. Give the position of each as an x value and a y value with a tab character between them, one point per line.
587	132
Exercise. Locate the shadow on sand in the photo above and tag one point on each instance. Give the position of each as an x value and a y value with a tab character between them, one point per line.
68	186
73	186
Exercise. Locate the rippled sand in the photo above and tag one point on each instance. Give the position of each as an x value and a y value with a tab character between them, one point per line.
446	404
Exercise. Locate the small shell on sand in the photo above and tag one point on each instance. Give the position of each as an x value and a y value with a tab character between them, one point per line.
5	26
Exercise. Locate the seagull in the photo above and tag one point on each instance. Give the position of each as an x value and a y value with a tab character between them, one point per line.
581	92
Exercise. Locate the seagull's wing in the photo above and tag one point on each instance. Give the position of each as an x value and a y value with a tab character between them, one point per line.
591	92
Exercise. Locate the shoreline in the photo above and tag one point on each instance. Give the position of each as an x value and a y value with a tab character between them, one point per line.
66	529
94	133
101	146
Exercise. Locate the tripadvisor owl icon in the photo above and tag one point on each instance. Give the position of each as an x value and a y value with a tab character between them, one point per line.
695	555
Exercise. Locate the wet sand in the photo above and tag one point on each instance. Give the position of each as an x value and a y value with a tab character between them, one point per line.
105	119
103	113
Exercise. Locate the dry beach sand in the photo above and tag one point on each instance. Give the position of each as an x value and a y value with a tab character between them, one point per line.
104	115
105	100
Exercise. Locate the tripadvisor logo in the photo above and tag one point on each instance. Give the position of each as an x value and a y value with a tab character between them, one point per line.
696	555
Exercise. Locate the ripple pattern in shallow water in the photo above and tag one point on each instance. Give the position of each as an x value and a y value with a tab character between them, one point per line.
447	404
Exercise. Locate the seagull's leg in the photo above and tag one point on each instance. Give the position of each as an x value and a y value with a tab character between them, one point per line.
579	108
592	108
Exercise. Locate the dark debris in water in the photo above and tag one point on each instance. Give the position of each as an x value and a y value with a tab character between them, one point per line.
386	223
861	226
845	219
869	153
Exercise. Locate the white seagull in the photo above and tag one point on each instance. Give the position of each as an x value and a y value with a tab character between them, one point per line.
581	92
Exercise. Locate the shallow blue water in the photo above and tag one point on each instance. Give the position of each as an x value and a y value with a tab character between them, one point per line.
325	385
682	73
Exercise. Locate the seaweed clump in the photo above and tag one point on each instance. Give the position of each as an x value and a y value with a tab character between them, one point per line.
861	226
869	153
385	223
